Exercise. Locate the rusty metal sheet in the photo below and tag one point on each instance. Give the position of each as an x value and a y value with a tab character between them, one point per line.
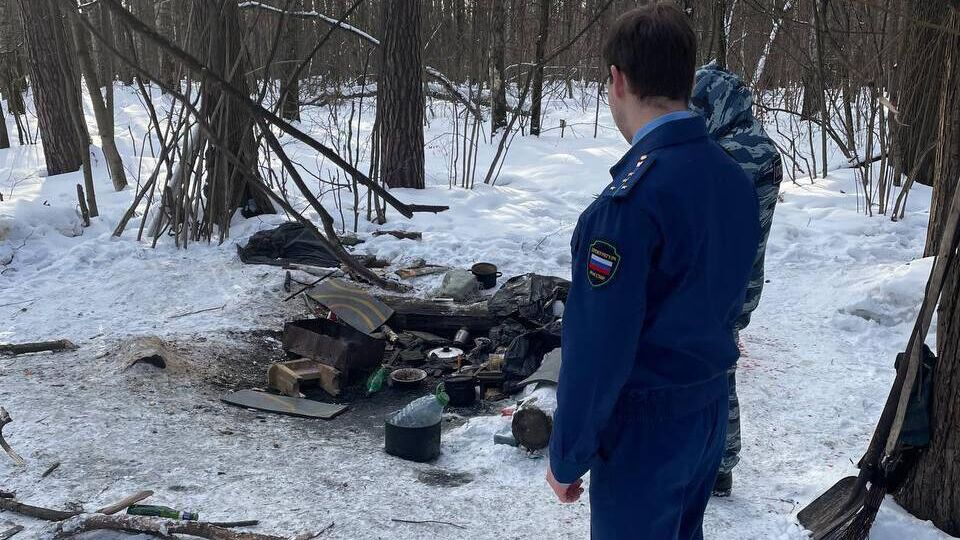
352	305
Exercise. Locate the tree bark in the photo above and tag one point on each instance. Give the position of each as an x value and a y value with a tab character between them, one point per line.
168	68
932	489
498	90
400	97
537	95
55	84
102	114
4	137
290	88
226	187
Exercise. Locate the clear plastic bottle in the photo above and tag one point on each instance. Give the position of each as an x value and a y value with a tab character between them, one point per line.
422	412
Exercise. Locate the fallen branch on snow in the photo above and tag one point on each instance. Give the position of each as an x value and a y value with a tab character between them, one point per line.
4	420
36	512
163	528
13	349
125	502
427	522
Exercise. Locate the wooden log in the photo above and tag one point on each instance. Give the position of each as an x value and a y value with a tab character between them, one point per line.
13	349
165	528
125	502
401	235
407	273
443	318
532	424
36	512
11	532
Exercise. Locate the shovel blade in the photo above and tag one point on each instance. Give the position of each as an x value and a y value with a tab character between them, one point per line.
837	506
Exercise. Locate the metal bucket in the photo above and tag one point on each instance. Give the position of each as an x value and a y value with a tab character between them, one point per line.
413	444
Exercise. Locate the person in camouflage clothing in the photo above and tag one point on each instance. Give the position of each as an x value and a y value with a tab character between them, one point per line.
727	105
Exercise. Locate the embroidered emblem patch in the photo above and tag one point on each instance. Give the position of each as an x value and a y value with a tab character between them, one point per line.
603	262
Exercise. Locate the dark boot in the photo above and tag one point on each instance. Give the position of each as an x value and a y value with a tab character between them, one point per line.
724	484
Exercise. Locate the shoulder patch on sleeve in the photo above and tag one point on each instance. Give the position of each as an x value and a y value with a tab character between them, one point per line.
620	188
602	263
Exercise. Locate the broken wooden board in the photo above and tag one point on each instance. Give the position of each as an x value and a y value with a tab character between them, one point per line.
303	408
410	273
353	306
291	377
440	317
10	533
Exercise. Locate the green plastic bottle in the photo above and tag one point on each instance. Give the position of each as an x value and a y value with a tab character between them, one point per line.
375	382
161	511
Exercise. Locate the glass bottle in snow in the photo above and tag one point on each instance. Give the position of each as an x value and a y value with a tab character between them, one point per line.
422	412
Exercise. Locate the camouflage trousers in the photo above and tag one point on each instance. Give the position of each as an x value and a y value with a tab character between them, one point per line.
731	450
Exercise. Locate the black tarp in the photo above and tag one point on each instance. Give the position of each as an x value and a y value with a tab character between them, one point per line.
288	243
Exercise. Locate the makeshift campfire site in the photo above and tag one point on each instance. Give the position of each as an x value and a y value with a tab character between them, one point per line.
491	353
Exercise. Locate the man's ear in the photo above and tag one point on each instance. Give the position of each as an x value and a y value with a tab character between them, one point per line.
618	82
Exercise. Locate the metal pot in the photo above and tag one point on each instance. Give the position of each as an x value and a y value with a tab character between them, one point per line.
486	274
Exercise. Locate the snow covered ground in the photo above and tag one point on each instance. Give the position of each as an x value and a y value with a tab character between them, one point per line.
842	292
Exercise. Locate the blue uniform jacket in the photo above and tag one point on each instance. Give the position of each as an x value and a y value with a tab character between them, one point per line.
661	261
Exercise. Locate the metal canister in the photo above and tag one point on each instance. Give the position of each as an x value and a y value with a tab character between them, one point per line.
463	335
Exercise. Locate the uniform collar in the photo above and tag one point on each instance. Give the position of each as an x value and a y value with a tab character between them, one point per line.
659	121
668	133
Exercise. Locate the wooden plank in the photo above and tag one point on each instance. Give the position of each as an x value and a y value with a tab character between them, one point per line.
443	318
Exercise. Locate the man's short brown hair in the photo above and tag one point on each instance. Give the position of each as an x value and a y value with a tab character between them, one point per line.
655	47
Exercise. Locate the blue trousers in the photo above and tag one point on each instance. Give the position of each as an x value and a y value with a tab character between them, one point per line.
654	474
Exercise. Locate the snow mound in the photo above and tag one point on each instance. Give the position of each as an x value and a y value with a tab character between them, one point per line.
892	297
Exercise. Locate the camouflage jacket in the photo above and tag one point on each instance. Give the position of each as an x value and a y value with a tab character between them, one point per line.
727	105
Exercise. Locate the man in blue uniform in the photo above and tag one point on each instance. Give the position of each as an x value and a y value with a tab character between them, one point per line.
661	261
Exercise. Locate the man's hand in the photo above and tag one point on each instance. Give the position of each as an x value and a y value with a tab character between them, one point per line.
567	493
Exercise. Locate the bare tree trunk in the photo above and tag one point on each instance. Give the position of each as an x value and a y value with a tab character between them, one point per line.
400	96
226	187
168	69
498	90
821	80
720	31
100	111
932	489
537	95
55	86
290	108
107	71
4	137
